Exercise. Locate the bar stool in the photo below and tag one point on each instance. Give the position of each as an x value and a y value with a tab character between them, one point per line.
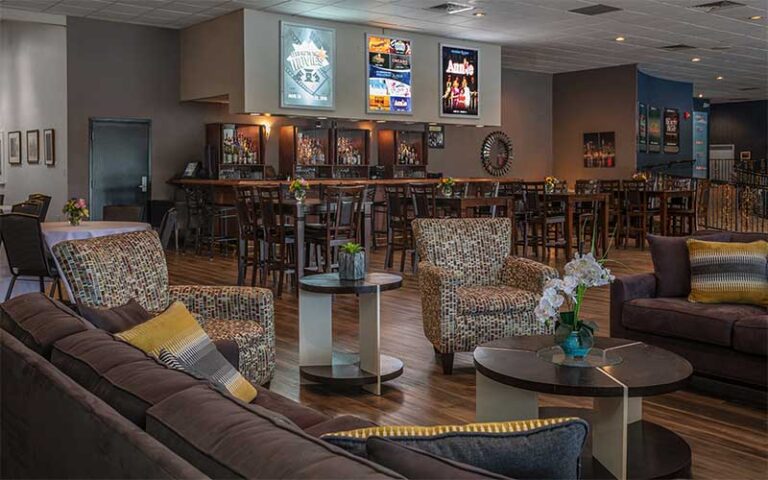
250	234
279	241
546	219
399	235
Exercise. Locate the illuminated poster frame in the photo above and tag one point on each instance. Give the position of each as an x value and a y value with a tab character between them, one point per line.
307	66
399	78
446	106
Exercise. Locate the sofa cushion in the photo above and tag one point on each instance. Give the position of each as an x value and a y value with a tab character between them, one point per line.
677	317
671	265
494	299
39	321
229	439
120	374
176	332
729	272
338	424
116	319
748	237
303	417
539	448
750	335
418	464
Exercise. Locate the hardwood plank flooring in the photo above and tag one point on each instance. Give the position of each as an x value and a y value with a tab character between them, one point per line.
729	440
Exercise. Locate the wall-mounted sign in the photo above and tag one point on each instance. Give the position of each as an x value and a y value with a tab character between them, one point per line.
460	68
654	129
436	136
389	74
642	128
307	65
671	130
600	150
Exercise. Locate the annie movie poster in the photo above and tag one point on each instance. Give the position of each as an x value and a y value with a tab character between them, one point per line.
460	70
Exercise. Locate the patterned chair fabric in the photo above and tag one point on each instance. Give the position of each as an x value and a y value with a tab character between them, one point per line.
472	290
109	271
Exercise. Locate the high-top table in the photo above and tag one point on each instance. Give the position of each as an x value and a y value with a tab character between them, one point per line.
56	232
513	371
318	363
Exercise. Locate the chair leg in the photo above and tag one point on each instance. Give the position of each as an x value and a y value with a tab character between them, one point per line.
10	288
54	284
446	361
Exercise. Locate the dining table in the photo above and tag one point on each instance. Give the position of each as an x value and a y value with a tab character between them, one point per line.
56	232
467	206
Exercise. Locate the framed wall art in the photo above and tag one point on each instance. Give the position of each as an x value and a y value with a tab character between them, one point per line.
307	66
14	148
436	136
459	73
671	130
2	157
654	129
49	147
642	127
600	150
388	67
33	146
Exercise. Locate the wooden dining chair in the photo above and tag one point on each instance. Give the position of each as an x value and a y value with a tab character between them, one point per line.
26	251
45	200
250	234
423	198
399	234
279	254
28	207
343	219
546	220
613	188
586	214
483	190
636	212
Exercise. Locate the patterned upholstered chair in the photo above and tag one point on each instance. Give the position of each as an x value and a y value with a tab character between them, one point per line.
472	290
109	271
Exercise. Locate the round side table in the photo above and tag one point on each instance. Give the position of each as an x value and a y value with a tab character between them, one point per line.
511	373
318	363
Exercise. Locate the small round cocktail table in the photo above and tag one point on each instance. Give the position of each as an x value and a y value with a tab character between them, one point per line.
512	372
318	363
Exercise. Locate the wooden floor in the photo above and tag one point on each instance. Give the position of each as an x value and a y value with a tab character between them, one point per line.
729	441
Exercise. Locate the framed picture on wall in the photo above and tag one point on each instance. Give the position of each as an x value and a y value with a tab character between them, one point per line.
436	136
307	66
2	157
49	147
671	130
600	150
33	146
389	74
14	148
746	155
459	73
642	127
654	129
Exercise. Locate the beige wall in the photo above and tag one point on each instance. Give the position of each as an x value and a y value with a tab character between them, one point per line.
33	96
600	100
262	69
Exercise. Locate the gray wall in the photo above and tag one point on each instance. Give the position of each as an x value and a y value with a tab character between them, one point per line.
122	70
600	100
33	96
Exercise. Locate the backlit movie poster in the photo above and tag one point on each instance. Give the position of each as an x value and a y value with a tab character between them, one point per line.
389	75
460	81
308	56
654	129
642	127
671	130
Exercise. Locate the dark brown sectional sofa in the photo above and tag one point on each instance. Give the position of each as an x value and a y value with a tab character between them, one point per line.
78	403
727	343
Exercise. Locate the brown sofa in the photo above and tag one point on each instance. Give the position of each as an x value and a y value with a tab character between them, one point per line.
79	403
723	342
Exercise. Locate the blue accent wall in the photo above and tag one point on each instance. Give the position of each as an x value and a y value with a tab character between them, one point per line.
661	93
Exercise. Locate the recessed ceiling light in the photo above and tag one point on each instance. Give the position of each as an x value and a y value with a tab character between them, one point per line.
322	118
695	59
701	95
432	123
381	121
620	39
479	14
756	17
255	114
719	77
480	126
267	114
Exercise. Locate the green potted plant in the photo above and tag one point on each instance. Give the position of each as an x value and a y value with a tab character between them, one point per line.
75	209
298	187
351	262
446	185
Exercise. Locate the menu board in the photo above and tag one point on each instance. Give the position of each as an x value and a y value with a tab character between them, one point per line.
307	64
654	129
389	74
671	130
460	81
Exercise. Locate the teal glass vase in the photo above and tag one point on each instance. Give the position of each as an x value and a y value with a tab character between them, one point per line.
574	345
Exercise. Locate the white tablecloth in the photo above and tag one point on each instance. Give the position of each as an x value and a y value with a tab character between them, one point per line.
56	232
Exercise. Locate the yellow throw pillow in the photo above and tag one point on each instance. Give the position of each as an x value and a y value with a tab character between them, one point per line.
724	272
175	338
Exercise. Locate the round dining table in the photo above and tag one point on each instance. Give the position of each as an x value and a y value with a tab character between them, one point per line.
56	232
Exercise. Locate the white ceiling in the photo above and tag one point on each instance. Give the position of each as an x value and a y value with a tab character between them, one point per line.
537	35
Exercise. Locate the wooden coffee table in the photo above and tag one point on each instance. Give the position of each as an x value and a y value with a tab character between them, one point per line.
511	373
318	363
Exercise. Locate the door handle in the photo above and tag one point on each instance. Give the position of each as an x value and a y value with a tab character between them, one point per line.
143	185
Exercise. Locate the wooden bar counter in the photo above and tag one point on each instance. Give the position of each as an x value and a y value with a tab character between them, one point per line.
331	181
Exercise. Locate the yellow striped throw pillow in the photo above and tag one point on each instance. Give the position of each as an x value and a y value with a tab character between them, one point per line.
175	338
729	272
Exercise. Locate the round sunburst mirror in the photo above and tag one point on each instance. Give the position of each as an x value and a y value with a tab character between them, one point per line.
496	154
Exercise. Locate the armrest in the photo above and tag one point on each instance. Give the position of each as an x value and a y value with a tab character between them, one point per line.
439	276
626	288
439	302
227	303
526	274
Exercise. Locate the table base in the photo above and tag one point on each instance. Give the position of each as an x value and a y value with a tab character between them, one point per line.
346	370
652	451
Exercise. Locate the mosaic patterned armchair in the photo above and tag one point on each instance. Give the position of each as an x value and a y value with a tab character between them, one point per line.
109	271
472	290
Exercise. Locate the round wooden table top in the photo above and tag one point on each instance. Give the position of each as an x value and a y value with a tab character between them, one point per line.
330	283
644	369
